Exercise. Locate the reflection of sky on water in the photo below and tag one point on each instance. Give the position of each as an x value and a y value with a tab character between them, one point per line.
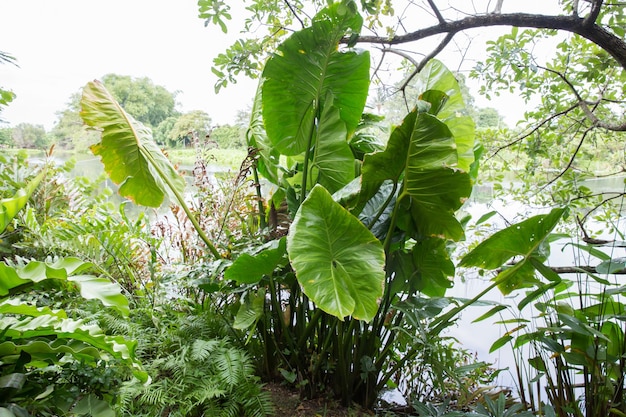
478	337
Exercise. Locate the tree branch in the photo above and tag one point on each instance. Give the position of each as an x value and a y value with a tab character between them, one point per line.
427	58
584	105
534	129
442	21
606	40
596	5
571	160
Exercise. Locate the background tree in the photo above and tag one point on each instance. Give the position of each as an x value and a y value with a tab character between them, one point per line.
229	136
26	135
148	103
196	122
69	132
6	140
145	101
161	133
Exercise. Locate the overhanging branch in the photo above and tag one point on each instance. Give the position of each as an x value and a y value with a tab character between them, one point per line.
573	24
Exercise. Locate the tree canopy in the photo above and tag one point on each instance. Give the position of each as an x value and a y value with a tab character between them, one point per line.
566	59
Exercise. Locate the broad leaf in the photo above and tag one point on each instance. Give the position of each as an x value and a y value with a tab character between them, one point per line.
67	269
338	262
522	240
267	158
308	66
333	161
423	150
426	268
453	112
250	268
9	207
129	154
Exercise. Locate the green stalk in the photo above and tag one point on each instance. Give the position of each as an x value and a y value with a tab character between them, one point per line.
444	320
309	328
182	203
257	186
307	153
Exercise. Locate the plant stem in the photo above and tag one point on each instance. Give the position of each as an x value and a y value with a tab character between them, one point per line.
307	153
257	187
182	203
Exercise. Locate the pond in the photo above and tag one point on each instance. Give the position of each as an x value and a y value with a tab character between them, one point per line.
479	337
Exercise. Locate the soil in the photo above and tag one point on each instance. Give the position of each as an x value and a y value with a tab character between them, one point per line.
288	403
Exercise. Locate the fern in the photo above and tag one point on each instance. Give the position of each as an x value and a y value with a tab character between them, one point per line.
202	349
230	364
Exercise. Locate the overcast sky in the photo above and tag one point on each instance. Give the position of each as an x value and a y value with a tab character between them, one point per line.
61	45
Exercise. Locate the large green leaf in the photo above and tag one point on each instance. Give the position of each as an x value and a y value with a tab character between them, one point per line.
423	150
250	268
129	154
426	268
333	161
338	262
70	336
523	240
9	207
436	76
267	157
308	66
91	287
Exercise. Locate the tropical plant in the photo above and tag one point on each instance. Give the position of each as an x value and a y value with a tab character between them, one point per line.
196	370
351	268
566	331
39	342
336	258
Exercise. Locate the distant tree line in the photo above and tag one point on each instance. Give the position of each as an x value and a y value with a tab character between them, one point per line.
151	104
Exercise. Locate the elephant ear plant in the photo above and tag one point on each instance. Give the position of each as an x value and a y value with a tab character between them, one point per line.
36	338
370	235
337	304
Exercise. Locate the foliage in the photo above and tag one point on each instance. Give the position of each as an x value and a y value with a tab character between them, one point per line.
406	210
6	96
131	156
193	124
195	369
148	103
329	246
153	105
69	131
575	337
229	136
44	349
25	135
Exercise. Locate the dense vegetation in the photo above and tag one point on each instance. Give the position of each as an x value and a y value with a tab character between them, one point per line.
325	262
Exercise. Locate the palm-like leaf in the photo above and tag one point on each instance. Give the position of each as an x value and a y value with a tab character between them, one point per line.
129	154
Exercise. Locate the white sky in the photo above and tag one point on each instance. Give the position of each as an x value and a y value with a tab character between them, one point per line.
61	45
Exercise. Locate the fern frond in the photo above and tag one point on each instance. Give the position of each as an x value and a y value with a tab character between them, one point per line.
203	349
230	364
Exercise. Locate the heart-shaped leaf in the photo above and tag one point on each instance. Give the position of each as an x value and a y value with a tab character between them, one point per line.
338	262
